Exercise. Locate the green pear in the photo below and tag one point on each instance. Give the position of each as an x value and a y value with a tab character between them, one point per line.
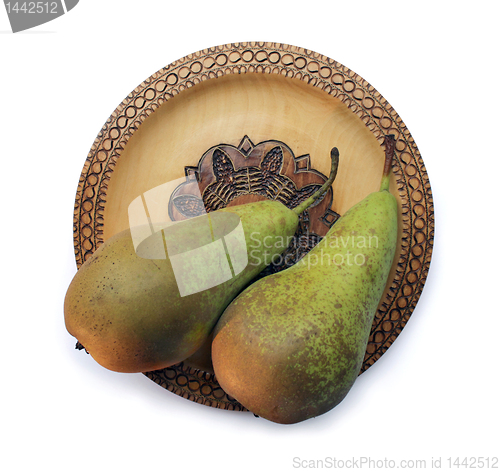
143	303
291	345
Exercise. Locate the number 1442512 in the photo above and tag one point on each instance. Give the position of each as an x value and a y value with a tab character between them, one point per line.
32	7
473	462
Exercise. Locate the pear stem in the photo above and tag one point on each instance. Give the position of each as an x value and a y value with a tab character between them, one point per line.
334	154
390	146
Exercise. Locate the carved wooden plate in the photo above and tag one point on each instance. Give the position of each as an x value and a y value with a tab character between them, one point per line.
248	121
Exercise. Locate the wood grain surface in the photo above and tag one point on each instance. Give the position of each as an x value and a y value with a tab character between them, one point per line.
263	92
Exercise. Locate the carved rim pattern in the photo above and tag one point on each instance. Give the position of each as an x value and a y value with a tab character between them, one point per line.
318	71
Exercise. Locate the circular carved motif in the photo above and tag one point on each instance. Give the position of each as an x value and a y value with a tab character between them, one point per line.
318	71
268	170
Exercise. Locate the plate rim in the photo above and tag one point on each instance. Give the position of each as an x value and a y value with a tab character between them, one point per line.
320	71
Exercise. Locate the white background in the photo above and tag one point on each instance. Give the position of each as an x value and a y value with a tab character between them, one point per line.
434	394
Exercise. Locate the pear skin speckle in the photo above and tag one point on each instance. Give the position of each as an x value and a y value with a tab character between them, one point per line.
127	310
291	345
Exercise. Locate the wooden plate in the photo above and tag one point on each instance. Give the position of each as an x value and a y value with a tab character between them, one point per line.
272	112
